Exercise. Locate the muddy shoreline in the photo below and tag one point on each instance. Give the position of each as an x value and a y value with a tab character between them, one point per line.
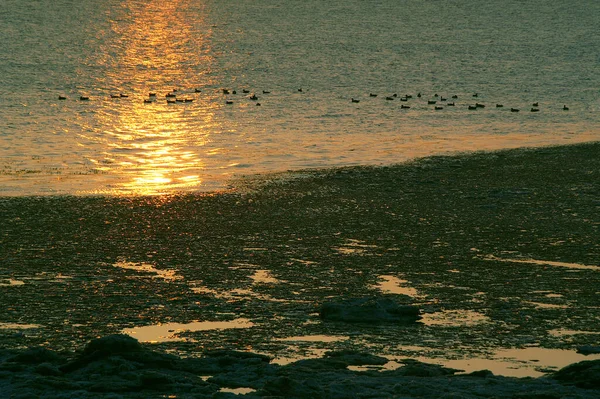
500	248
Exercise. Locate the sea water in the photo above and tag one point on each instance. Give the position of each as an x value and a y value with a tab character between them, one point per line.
305	61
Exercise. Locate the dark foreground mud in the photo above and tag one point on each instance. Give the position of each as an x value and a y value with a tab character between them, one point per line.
497	250
118	366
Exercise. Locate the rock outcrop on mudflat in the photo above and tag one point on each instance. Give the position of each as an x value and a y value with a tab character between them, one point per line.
369	310
118	366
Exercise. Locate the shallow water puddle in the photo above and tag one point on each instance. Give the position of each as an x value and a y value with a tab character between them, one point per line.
16	326
395	285
541	305
264	277
10	282
544	262
354	247
168	275
237	391
527	362
530	362
168	332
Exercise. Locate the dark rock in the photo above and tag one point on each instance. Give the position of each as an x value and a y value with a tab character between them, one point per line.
537	395
47	369
353	358
588	350
112	345
369	310
322	364
414	368
237	355
35	356
481	374
119	346
584	374
287	387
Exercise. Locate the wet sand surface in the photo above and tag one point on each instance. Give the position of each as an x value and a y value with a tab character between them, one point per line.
499	250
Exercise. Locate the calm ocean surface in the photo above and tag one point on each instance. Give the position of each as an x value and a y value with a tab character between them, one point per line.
511	52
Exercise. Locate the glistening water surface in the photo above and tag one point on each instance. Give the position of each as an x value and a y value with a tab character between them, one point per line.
304	61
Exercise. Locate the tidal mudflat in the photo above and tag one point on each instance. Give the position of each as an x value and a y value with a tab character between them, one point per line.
499	251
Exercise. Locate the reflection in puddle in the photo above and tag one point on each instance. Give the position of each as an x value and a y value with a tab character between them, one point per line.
16	326
454	318
264	277
168	275
541	305
544	262
304	261
354	247
10	282
238	391
169	332
527	362
394	285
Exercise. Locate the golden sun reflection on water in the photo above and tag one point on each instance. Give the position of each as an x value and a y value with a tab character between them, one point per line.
155	147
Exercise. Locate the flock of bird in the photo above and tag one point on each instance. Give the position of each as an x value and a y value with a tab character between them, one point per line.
172	96
438	101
